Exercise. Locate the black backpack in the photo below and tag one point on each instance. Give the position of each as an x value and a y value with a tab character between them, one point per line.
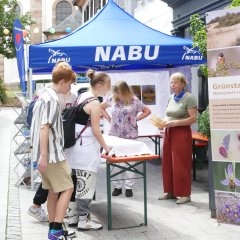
69	118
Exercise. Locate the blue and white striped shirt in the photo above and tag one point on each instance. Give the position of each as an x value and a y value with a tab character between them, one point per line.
47	110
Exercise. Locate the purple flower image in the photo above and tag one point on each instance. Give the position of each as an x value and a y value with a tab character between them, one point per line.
228	207
227	210
236	216
231	214
230	180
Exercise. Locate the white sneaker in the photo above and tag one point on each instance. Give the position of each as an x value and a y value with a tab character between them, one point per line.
72	215
87	224
38	213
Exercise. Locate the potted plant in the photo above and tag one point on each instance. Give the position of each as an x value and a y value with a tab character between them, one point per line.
204	123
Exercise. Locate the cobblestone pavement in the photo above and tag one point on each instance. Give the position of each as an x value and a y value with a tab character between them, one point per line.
10	218
166	219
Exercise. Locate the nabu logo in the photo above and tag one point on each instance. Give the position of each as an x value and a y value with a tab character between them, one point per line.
57	55
191	54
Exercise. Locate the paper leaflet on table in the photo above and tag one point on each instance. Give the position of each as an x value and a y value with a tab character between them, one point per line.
121	147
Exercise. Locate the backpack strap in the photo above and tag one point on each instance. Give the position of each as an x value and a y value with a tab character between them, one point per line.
81	132
87	100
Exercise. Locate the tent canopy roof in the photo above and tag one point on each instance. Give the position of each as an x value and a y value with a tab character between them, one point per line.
114	39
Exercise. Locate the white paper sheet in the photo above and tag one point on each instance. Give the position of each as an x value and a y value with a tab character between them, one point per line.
126	147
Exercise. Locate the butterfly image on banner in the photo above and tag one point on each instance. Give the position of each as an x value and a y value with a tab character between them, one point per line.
223	150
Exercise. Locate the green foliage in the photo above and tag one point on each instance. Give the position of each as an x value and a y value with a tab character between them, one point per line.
204	123
204	69
199	34
3	95
7	17
235	3
199	37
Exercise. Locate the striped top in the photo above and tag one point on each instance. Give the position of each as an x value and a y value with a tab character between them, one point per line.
47	110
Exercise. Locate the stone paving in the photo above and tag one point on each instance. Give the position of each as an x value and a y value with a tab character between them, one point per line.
166	219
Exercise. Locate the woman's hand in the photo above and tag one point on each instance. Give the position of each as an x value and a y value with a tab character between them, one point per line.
172	123
108	149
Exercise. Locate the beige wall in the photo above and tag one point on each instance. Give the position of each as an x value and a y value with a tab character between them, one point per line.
36	13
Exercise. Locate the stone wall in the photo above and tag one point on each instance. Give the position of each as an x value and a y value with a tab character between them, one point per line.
36	13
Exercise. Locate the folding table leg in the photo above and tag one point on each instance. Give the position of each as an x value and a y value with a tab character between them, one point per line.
109	201
157	145
194	161
145	192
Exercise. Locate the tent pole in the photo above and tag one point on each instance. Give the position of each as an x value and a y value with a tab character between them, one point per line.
30	84
30	97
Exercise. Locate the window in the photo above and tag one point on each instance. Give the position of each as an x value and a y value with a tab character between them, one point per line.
86	14
63	10
96	6
91	9
103	3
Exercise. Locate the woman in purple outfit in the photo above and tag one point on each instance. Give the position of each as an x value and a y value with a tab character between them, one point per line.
125	115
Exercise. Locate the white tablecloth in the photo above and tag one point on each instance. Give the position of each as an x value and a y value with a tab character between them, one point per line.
125	147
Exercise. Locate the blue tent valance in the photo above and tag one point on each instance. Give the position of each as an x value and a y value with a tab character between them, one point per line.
113	39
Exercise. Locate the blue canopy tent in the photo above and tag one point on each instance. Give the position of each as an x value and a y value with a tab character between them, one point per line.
113	39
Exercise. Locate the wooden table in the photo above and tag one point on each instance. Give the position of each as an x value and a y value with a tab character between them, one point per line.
156	139
196	136
135	160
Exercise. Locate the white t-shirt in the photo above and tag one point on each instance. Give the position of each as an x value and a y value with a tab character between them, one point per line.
85	154
67	100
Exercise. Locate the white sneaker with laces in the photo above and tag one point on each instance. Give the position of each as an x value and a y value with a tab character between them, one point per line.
38	213
87	224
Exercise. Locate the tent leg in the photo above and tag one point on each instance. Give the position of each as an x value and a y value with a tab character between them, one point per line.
30	84
30	97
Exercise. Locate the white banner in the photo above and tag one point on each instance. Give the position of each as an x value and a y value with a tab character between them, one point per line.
160	81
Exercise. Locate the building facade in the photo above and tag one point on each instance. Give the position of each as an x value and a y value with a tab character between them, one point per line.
54	19
182	10
90	7
56	16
